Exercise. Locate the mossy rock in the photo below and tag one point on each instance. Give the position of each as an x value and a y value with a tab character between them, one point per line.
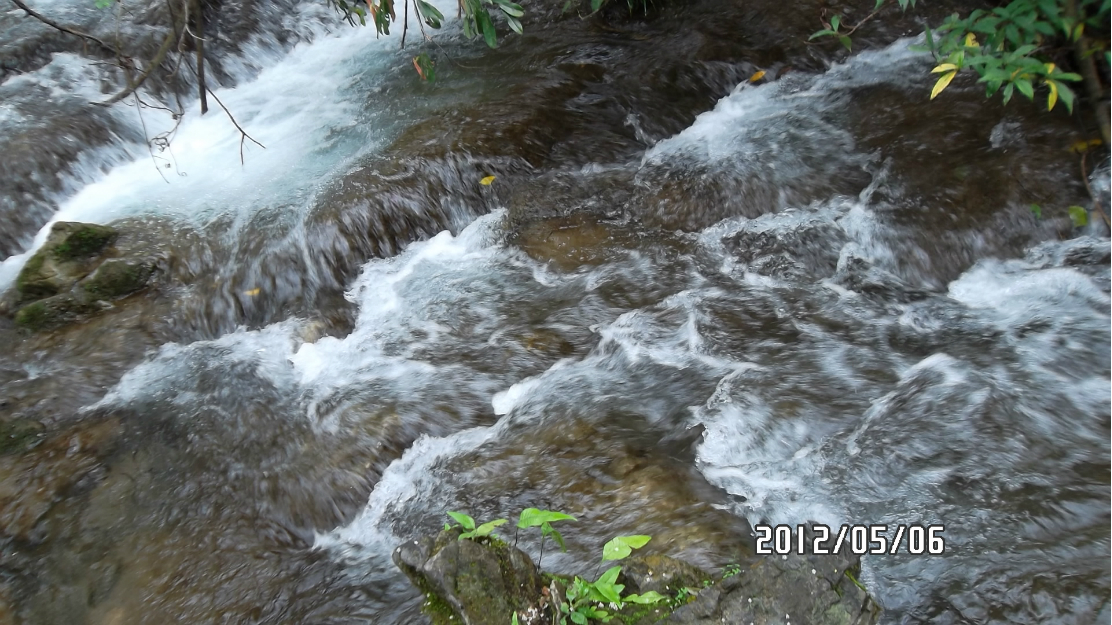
475	582
80	240
55	312
70	253
117	277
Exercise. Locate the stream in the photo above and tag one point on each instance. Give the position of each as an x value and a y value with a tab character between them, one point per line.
687	303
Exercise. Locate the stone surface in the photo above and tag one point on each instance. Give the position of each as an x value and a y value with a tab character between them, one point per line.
117	277
801	590
66	257
32	482
480	583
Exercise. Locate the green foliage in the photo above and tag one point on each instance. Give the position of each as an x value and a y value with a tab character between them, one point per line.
620	547
1009	47
470	529
731	570
532	517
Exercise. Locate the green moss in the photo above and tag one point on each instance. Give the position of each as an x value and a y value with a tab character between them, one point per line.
86	240
34	317
116	278
29	271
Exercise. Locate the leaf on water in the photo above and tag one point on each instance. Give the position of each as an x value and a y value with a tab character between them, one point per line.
757	76
943	82
252	292
486	181
1079	216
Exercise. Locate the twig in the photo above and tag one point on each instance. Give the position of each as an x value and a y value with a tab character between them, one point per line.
65	29
143	123
199	45
405	23
155	62
242	133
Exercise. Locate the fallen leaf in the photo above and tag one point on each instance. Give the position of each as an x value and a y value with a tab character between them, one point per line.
755	77
253	292
486	181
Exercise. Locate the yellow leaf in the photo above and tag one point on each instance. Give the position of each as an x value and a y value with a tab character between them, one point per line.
970	40
1051	99
942	83
945	67
252	292
486	181
755	77
1050	68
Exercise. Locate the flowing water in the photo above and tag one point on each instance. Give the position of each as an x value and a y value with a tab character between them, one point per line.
826	338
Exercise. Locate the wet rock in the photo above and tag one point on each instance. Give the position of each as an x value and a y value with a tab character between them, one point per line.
661	574
117	277
805	590
568	242
66	257
70	278
55	312
19	434
31	483
480	582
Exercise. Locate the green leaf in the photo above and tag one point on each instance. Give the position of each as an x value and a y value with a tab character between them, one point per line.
487	27
647	598
596	5
1066	94
514	620
610	575
465	521
579	618
1037	211
621	546
483	530
104	4
1008	92
509	8
532	517
514	25
431	15
1079	216
1025	87
835	22
846	41
821	33
547	530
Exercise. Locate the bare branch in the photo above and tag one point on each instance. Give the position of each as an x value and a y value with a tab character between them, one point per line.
155	62
65	29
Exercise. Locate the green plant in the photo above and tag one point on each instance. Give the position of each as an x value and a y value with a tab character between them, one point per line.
469	527
731	570
587	600
533	517
1011	48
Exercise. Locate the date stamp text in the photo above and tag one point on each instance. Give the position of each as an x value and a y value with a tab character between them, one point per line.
850	539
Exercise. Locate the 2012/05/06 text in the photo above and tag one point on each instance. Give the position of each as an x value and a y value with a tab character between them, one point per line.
854	539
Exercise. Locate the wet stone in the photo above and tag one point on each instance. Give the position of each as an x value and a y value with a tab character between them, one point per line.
65	258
